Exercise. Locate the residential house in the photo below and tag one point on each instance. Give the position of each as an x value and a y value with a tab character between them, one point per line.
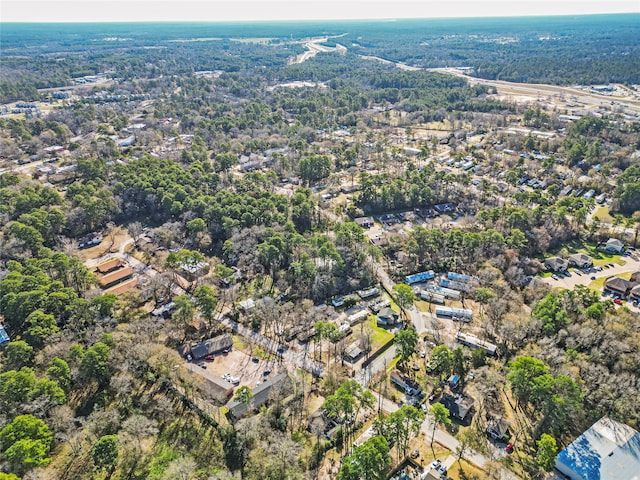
279	385
580	260
556	264
608	450
459	405
408	386
618	286
634	294
614	245
212	346
387	316
364	222
352	352
498	429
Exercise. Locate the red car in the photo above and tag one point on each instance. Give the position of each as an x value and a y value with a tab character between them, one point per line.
509	448
617	301
210	357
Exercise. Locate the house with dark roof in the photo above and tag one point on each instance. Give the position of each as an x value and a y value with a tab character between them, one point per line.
556	264
618	285
580	260
634	294
212	346
459	405
364	222
608	450
280	384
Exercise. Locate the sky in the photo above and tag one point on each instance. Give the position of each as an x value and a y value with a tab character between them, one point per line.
266	10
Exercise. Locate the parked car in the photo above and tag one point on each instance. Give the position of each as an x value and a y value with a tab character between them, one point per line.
435	464
210	357
617	301
554	276
509	448
442	470
255	359
593	278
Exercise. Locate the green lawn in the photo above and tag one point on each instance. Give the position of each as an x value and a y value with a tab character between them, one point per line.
380	335
603	214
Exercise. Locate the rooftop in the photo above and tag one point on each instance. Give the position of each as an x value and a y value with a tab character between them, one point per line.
608	450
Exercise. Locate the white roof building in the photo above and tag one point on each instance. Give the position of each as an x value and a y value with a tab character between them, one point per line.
609	450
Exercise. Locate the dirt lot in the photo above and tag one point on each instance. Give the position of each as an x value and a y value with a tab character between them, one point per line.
239	364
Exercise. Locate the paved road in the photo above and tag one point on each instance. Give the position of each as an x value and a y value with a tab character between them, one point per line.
445	439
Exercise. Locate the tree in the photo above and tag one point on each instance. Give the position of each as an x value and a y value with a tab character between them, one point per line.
244	395
459	363
547	451
404	295
26	441
184	312
401	426
95	363
369	461
524	376
440	417
442	360
406	341
105	452
39	327
206	301
19	353
346	403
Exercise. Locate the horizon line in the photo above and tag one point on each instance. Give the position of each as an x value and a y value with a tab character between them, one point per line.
312	20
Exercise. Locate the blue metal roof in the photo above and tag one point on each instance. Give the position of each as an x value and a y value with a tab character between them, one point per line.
4	336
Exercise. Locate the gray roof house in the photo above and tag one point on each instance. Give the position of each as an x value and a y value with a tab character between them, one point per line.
618	285
459	405
387	316
580	260
279	384
608	450
556	264
614	245
212	346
